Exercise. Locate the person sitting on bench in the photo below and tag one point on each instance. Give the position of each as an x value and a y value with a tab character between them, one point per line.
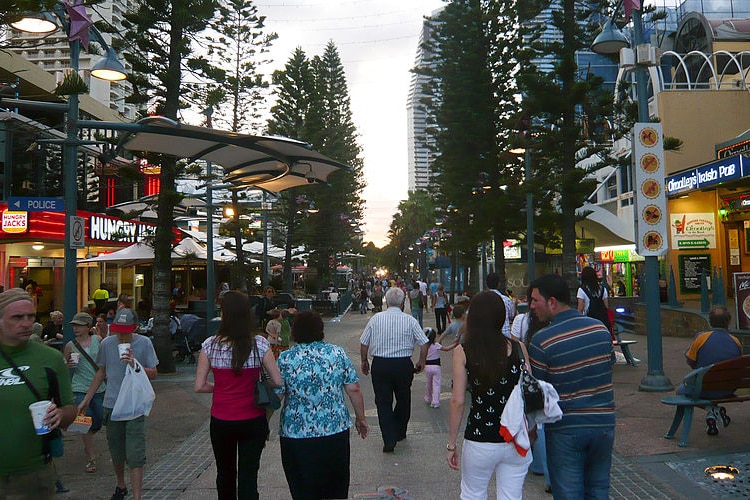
711	347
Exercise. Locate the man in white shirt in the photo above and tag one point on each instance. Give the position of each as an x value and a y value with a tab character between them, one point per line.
492	281
390	337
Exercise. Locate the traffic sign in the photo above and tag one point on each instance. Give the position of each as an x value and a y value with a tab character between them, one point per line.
77	231
35	204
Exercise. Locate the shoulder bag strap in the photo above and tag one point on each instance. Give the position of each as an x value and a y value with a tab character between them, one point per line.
85	354
524	357
21	374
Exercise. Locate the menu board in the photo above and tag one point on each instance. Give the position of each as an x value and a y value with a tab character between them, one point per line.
690	267
742	295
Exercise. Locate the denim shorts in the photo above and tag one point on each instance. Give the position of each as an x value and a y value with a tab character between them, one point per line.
95	409
126	440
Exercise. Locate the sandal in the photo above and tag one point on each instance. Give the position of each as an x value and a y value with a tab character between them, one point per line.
91	466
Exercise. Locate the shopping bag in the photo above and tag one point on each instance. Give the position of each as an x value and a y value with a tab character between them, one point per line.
136	394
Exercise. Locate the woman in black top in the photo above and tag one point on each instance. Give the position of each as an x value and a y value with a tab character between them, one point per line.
488	364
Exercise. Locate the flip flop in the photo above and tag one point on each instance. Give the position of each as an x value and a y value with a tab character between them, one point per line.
91	466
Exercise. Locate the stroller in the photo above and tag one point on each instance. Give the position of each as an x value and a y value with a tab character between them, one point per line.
189	337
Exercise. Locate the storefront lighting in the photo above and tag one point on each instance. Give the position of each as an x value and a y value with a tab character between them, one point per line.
722	472
37	246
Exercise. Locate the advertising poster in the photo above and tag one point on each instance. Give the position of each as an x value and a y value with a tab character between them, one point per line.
690	267
693	231
742	294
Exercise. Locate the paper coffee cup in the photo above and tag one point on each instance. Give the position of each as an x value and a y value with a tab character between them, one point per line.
74	358
123	349
38	410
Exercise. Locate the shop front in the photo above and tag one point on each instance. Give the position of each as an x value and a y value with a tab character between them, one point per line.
32	252
709	214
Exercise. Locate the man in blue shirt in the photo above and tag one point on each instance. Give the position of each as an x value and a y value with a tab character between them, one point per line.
712	347
574	354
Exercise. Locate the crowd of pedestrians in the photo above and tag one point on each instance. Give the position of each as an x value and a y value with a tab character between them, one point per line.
496	354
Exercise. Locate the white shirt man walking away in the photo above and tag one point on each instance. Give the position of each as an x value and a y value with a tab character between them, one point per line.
390	337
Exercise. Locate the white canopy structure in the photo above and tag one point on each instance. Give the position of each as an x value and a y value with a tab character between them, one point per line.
140	253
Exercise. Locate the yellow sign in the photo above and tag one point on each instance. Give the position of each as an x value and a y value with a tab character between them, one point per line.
15	222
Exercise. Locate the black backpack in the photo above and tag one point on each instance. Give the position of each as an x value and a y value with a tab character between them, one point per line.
597	310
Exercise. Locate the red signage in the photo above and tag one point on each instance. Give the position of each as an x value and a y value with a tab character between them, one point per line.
100	229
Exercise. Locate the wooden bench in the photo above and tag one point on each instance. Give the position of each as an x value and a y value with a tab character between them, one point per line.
728	375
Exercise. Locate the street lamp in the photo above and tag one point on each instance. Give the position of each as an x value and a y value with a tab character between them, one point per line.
610	41
530	257
78	27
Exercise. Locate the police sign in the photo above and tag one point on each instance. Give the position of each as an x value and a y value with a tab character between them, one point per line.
35	204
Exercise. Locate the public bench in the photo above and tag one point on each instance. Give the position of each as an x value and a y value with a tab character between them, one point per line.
728	375
624	346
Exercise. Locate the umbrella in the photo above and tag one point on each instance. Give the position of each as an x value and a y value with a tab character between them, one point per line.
271	163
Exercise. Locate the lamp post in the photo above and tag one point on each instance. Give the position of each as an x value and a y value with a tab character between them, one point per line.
610	41
109	69
530	256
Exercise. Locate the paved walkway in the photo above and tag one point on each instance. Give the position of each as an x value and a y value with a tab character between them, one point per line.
644	464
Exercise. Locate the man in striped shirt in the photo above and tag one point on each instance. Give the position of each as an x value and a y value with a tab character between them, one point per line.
574	354
390	337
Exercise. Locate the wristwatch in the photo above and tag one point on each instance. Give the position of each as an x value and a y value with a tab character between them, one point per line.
450	448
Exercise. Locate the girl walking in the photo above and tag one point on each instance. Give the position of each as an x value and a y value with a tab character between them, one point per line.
433	370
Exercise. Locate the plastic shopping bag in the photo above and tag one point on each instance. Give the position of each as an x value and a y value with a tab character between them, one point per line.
136	394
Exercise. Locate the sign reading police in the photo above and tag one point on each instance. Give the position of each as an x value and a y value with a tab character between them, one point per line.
35	204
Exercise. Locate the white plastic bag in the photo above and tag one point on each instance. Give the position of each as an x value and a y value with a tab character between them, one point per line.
136	394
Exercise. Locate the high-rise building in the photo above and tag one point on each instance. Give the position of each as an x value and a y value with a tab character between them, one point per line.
52	53
420	143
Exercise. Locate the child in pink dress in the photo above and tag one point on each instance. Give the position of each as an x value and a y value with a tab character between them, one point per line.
432	370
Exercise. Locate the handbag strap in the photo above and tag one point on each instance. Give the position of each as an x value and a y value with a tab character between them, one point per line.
524	357
85	354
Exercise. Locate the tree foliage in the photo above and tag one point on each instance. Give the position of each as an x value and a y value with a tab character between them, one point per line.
236	47
313	106
163	33
566	107
472	97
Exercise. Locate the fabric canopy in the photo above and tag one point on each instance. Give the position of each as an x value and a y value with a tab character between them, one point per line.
270	163
139	253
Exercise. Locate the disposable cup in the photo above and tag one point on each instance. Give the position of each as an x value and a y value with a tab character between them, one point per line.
74	358
38	410
123	349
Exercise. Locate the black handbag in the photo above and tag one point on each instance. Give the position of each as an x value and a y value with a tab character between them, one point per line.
265	397
533	396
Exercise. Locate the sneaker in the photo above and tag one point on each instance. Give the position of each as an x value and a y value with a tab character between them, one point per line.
435	406
711	428
724	417
120	493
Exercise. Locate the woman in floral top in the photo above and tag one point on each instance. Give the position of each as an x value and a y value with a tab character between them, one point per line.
238	427
489	364
315	420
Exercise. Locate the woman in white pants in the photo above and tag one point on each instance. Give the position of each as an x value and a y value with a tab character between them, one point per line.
488	364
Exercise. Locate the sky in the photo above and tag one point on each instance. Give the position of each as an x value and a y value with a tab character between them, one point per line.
377	41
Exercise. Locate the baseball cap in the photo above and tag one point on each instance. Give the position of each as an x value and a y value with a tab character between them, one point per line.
83	319
124	322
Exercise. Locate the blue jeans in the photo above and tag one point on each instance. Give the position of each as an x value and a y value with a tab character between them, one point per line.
416	313
539	463
579	462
